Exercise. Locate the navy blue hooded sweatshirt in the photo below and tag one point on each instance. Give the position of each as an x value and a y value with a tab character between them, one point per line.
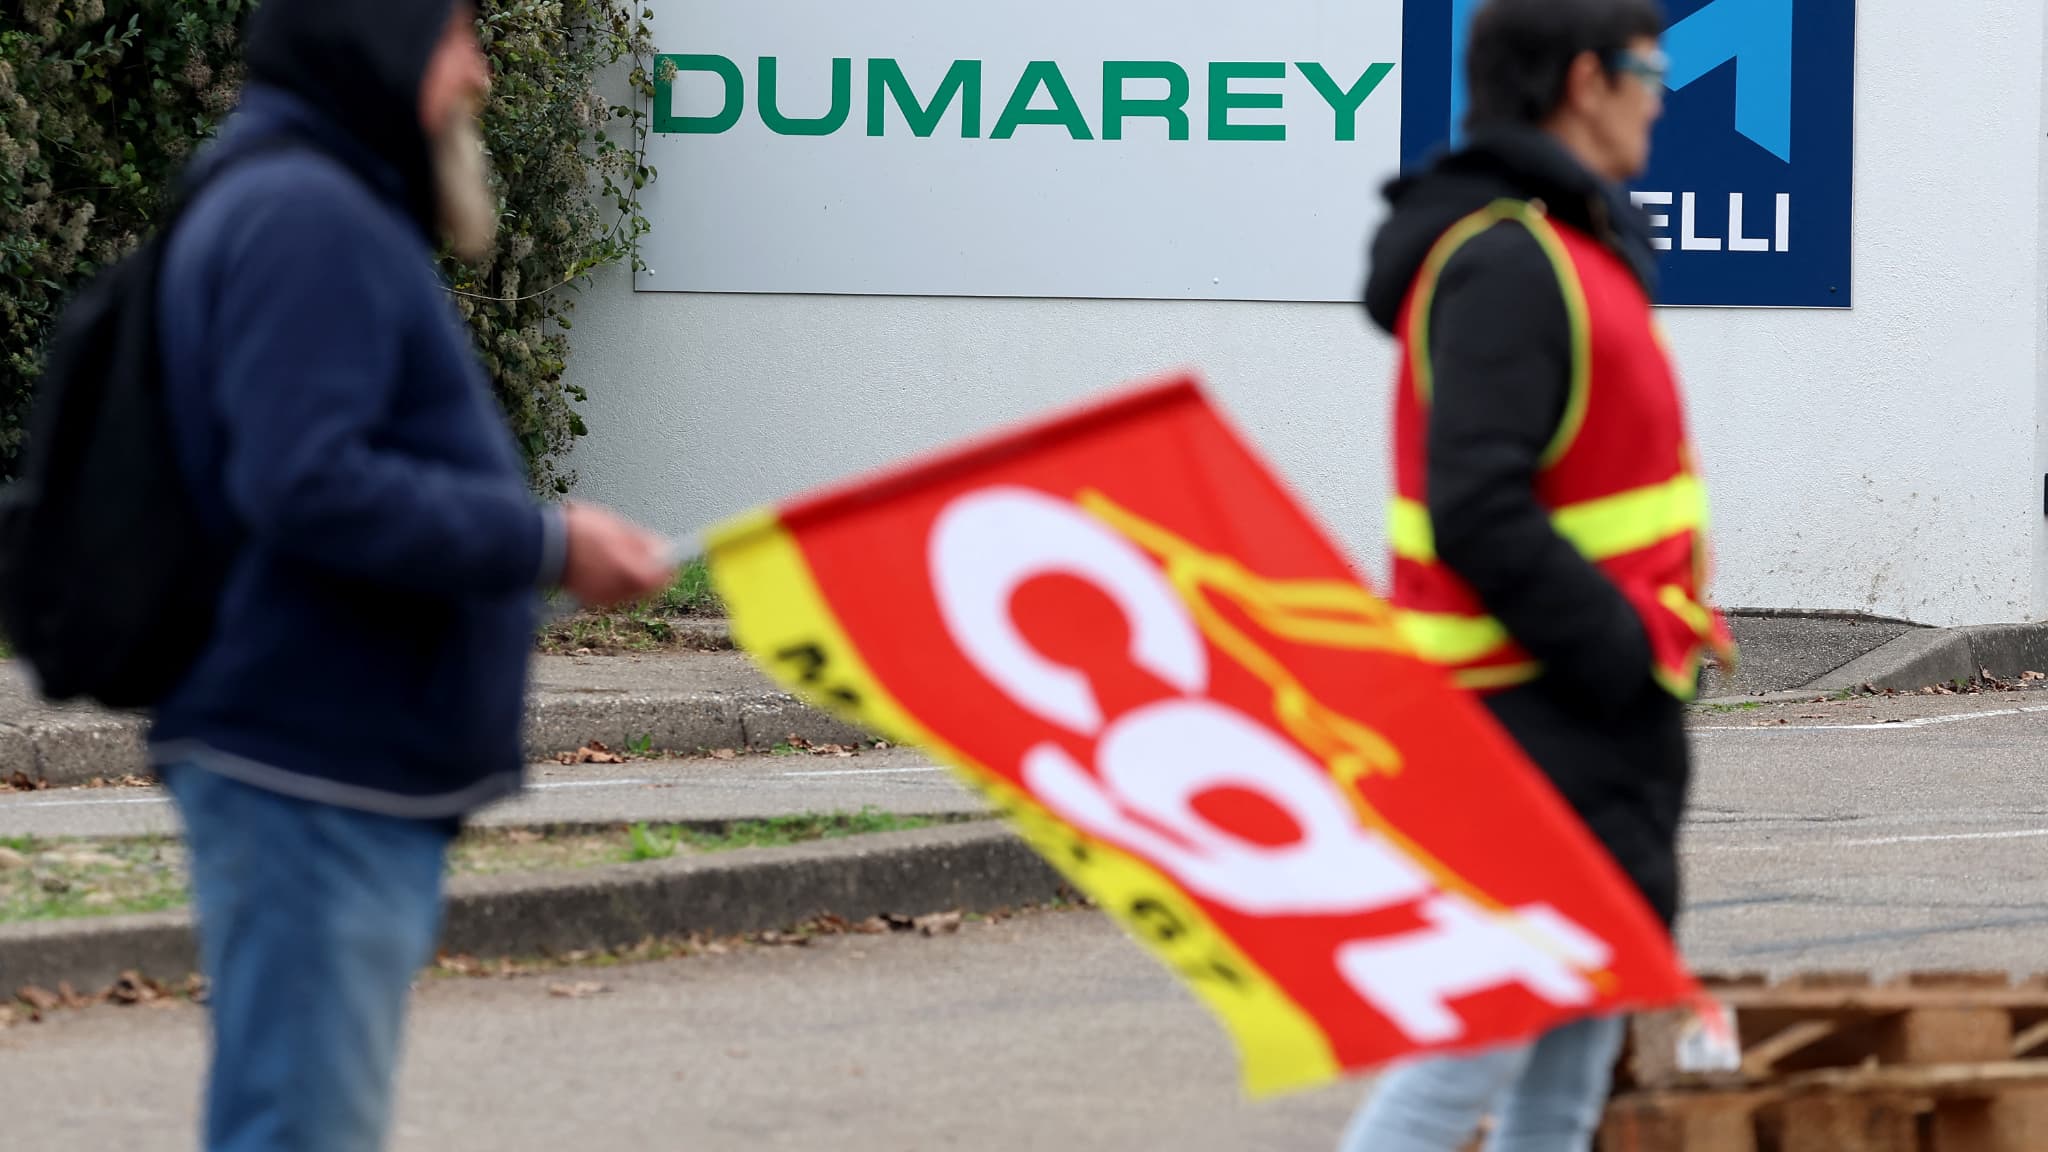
339	435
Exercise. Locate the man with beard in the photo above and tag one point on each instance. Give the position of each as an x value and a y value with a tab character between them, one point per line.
363	687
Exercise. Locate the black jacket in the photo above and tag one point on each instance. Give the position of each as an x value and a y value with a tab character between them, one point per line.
1596	722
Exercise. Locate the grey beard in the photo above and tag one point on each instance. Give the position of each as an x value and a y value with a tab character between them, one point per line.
462	187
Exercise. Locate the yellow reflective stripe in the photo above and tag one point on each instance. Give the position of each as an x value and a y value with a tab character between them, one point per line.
1456	237
1600	529
1683	606
1578	318
1631	521
1447	638
1409	531
1684	685
1684	682
1503	676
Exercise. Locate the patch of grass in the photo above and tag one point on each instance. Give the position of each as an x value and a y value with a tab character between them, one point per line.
645	844
1727	709
784	830
692	594
67	879
659	624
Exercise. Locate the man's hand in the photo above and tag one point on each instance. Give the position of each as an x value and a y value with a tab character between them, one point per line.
611	561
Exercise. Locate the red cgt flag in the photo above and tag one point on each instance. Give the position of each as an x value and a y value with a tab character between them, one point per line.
1120	627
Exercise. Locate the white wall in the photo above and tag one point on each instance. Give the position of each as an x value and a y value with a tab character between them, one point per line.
1886	459
703	406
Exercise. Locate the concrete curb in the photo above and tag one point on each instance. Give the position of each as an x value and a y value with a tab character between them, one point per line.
1930	656
974	868
72	749
563	721
68	750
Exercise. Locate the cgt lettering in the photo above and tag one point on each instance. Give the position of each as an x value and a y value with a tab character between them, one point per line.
1237	94
1149	768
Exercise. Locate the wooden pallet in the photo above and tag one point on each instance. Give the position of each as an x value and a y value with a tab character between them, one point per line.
1946	1108
1847	1021
1937	1062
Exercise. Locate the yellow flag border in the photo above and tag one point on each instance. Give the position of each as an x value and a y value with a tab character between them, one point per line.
780	616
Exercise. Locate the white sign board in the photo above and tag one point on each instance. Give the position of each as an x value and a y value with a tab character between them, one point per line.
1171	149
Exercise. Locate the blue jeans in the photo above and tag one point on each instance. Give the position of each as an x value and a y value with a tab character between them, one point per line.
313	922
1544	1097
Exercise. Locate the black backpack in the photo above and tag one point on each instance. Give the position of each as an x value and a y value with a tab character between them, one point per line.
108	580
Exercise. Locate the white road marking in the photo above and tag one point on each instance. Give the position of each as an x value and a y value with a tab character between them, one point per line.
1882	841
85	803
546	786
861	772
1888	726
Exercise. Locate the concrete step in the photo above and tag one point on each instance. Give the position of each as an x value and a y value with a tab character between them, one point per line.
675	791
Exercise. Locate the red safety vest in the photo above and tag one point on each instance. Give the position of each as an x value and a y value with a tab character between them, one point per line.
1618	480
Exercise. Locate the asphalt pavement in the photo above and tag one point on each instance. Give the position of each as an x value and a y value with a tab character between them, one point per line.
1884	834
702	789
1048	1032
1784	652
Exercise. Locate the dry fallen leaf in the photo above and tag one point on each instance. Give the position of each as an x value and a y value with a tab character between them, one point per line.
592	753
523	836
21	782
39	1000
872	926
9	1017
939	924
134	988
724	754
581	990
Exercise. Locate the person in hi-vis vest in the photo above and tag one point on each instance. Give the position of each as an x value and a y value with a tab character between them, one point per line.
1548	522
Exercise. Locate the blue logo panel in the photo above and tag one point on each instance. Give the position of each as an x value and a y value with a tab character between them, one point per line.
1751	175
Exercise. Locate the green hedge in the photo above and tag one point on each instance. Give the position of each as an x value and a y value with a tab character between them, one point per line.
102	100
